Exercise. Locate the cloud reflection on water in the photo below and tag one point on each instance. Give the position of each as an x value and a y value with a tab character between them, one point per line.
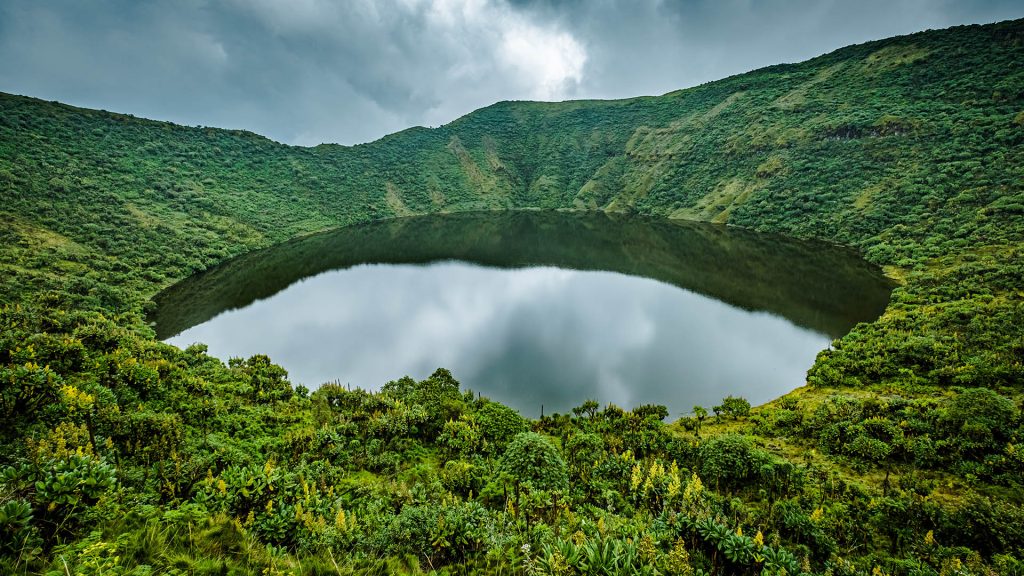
525	337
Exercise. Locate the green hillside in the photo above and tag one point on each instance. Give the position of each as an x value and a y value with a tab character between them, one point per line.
122	455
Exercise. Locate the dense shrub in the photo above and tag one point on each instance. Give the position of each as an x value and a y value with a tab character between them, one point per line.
533	460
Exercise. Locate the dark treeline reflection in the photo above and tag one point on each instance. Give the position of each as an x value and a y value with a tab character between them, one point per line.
539	331
824	288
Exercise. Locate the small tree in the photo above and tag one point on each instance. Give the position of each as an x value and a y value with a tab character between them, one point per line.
735	406
532	460
499	424
655	411
590	408
980	419
267	381
439	396
583	450
700	413
459	438
729	460
535	465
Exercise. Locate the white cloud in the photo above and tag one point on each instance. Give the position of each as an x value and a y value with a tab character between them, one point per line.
550	61
543	60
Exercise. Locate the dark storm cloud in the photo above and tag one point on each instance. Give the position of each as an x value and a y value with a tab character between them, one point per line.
308	71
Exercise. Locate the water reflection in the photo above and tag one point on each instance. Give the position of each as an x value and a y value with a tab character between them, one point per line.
535	334
526	337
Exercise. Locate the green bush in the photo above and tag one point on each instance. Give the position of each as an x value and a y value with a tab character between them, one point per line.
499	424
534	461
730	460
736	407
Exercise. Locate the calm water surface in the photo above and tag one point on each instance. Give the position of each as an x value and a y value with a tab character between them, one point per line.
535	308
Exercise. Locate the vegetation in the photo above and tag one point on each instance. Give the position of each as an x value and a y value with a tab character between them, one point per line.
123	455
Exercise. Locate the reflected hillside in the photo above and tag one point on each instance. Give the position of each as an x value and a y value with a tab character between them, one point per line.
818	286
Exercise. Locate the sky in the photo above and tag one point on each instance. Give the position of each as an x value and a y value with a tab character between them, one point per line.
350	71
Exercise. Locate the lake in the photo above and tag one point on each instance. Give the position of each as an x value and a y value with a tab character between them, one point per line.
535	308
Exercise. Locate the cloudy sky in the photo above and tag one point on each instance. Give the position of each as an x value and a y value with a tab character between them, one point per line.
350	71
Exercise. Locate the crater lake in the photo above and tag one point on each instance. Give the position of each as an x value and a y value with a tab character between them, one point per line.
535	309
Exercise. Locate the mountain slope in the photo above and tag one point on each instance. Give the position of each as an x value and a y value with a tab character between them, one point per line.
907	148
910	149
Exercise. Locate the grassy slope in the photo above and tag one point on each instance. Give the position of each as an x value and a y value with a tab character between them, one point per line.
909	149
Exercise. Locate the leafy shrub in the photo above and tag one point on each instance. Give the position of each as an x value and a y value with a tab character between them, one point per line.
980	417
730	459
438	534
16	531
532	460
734	406
25	389
438	395
267	381
499	424
584	449
459	438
